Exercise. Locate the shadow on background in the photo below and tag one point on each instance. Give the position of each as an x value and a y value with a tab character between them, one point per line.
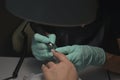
8	23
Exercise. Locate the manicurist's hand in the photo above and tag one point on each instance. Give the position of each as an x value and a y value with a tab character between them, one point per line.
39	48
64	70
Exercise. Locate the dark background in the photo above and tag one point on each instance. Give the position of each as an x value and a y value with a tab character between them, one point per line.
8	23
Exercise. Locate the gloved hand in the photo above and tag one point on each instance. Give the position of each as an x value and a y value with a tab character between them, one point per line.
83	55
39	46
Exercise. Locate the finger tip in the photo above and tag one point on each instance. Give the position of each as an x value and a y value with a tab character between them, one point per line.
36	35
53	35
53	51
42	65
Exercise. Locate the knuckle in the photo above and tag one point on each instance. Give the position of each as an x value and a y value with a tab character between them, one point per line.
50	62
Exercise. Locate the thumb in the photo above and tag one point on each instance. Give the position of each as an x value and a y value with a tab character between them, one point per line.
65	50
41	38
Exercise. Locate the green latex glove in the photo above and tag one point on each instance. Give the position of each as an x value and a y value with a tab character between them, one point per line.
83	55
39	48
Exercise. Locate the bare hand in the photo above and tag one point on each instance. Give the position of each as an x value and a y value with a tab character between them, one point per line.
64	70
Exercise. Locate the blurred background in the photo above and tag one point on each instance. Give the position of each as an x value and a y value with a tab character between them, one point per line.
8	23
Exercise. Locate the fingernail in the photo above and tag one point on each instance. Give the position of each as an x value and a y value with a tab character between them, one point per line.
43	65
53	50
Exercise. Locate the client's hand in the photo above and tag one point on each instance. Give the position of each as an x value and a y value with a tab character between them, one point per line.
64	70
